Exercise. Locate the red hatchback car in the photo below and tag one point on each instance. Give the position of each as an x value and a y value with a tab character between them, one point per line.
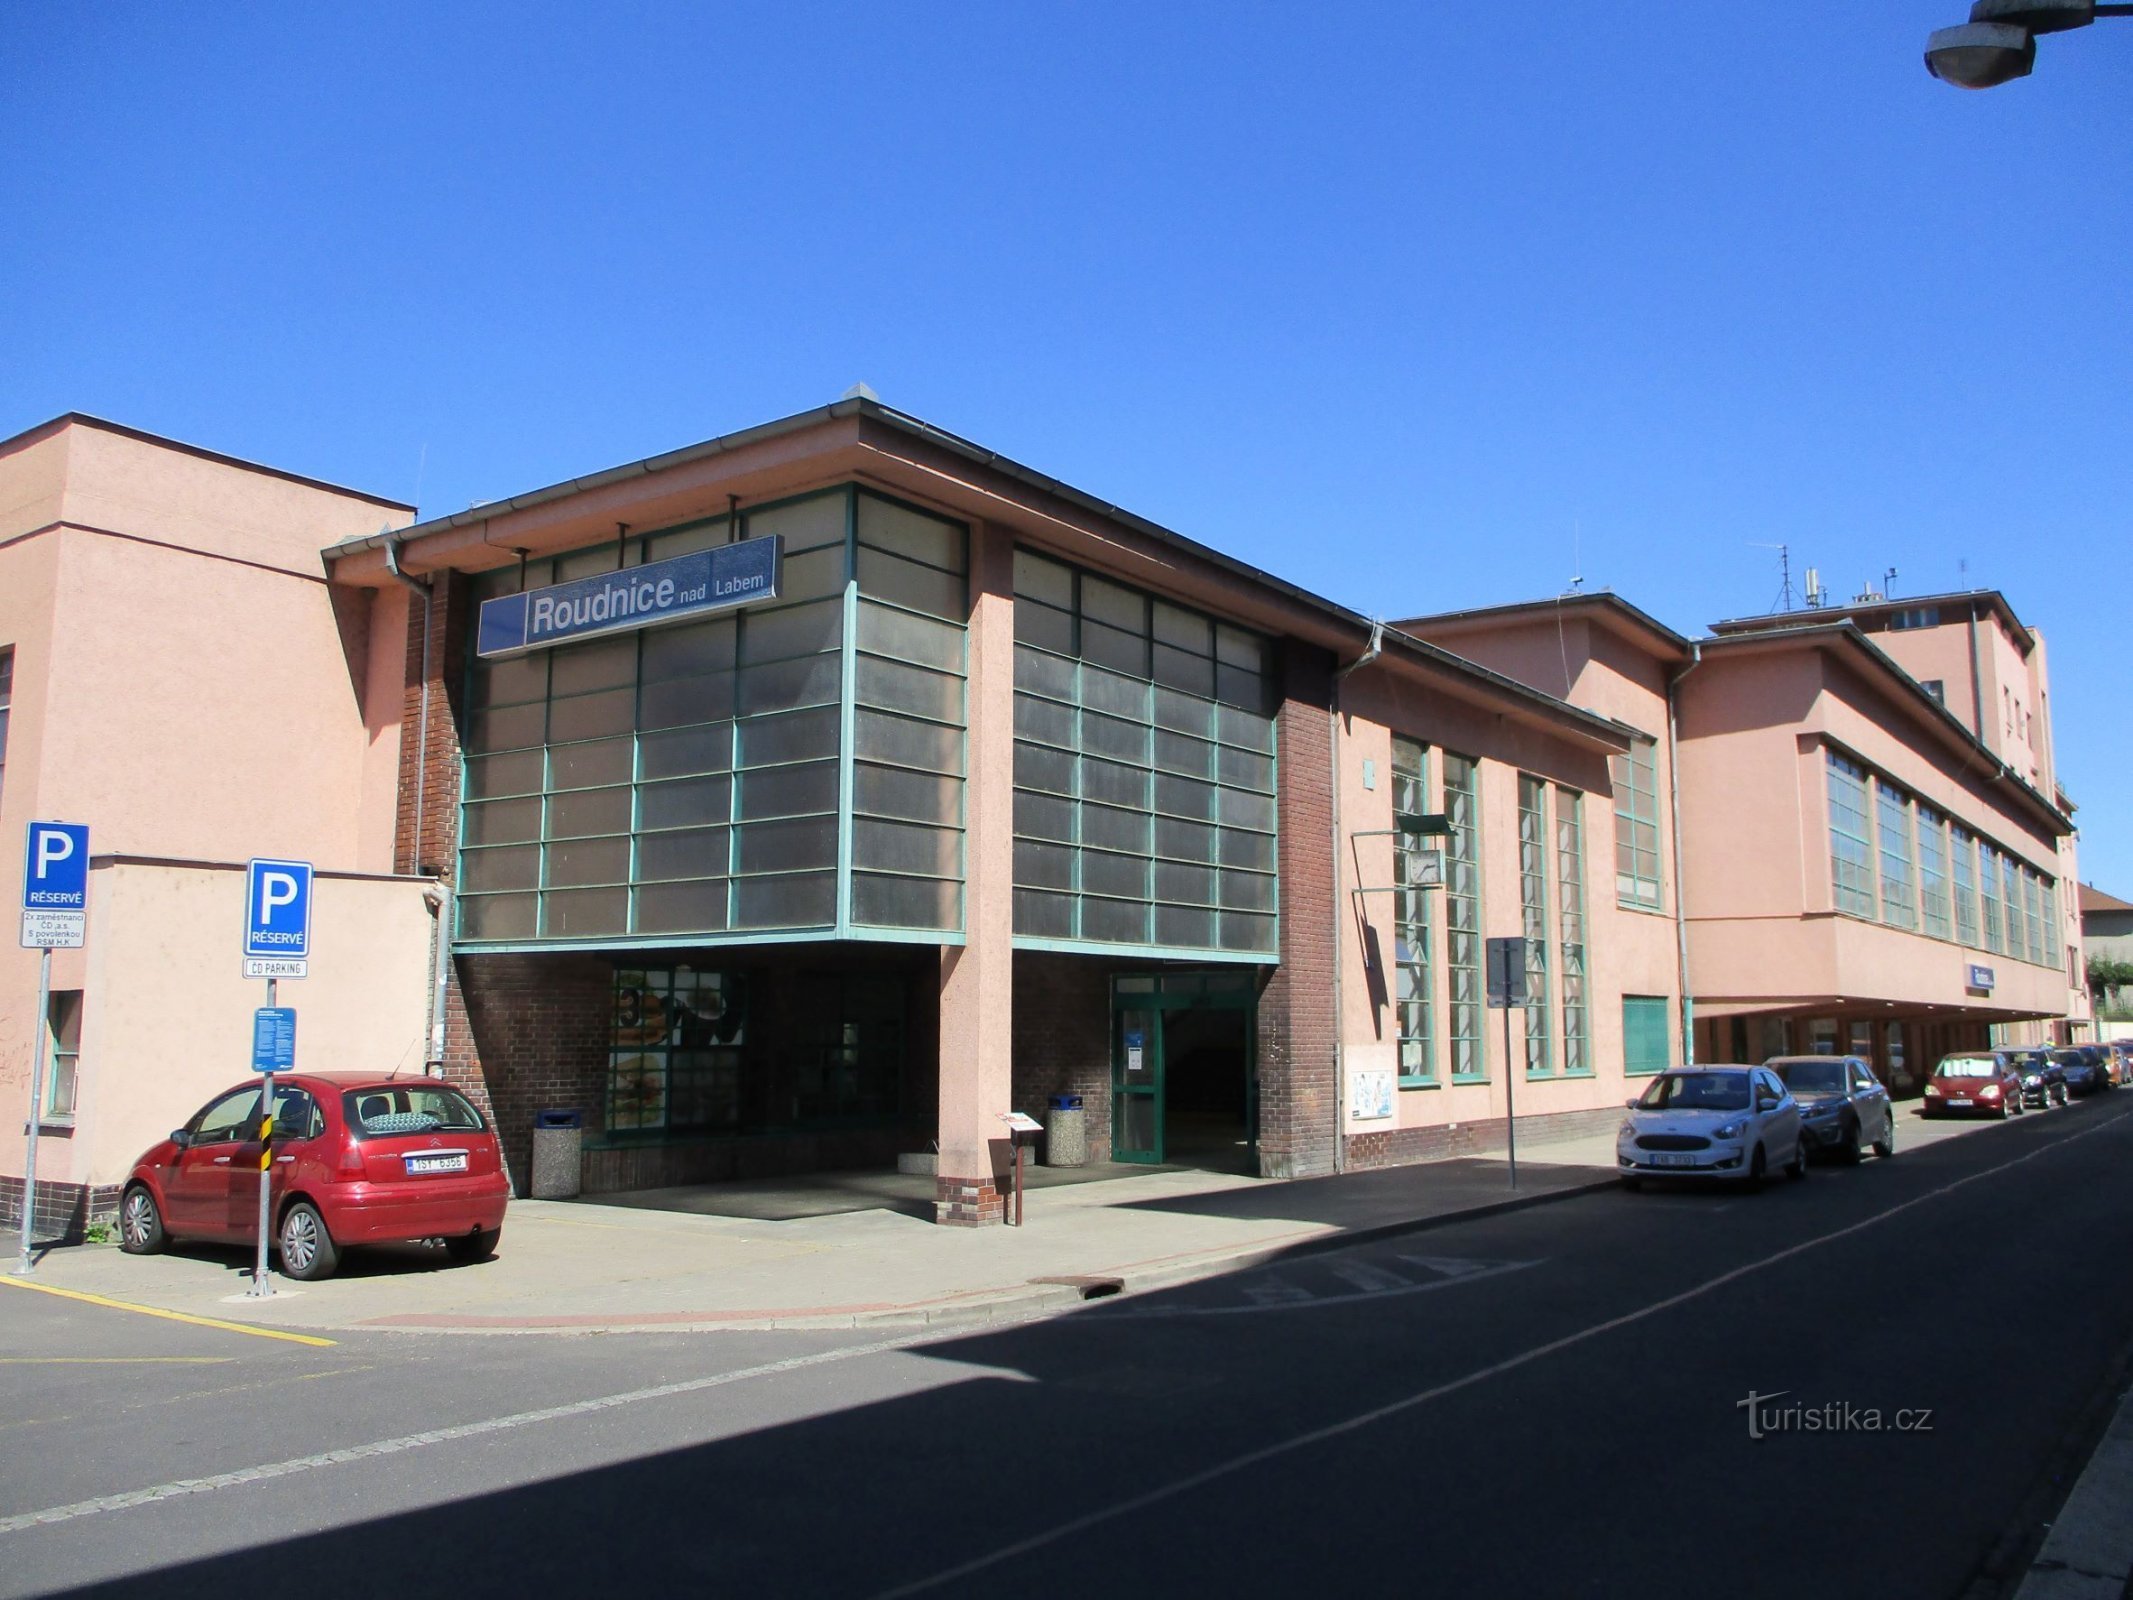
358	1159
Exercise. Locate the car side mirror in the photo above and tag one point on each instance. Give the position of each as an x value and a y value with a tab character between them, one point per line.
1631	1102
180	1138
1766	1103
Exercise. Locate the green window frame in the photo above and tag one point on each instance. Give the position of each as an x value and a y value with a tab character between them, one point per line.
1647	1045
1851	841
1463	949
1988	894
1962	875
1146	809
1571	928
1899	904
1415	974
63	1055
1533	875
2033	915
1639	877
1933	902
2054	935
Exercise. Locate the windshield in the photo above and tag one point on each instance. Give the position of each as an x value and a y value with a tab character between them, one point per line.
392	1109
1968	1067
1698	1091
2070	1058
1811	1077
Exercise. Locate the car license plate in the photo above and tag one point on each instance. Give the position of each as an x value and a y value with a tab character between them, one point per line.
444	1161
1667	1159
1959	1100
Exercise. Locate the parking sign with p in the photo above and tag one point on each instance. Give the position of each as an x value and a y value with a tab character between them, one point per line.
277	919
55	886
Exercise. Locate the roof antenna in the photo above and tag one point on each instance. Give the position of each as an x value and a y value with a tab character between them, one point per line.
1784	600
1577	555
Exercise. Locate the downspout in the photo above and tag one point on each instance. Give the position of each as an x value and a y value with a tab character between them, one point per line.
441	908
1977	682
1340	921
1681	909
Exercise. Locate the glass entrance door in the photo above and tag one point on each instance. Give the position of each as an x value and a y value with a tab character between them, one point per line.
1136	1083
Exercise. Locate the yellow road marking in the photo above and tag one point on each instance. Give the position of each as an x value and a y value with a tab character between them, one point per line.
172	1316
115	1361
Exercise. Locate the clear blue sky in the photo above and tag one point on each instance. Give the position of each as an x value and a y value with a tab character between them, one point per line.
1406	304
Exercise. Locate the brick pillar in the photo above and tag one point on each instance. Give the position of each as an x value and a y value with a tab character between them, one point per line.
1298	1092
525	1032
435	852
977	979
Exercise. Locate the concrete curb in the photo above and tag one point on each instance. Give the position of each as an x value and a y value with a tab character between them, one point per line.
1015	1303
2089	1553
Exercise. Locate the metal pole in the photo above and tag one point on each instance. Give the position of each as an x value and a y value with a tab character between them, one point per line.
262	1278
1510	1104
38	1066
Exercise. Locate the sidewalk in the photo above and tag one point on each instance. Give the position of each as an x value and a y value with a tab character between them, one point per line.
568	1267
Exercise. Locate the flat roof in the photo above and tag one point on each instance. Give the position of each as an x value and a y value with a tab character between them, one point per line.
82	419
1361	628
1991	599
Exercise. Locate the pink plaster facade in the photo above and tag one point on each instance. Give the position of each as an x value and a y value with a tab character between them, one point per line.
169	620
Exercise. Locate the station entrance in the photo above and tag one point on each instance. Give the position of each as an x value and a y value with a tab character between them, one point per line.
1184	1074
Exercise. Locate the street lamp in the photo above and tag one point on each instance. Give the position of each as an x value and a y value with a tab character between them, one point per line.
1999	41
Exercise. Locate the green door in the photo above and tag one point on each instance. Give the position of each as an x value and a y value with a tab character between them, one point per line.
1136	1082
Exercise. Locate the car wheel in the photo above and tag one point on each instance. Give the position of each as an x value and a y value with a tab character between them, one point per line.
476	1246
1853	1153
2010	1107
1797	1168
141	1223
2062	1094
307	1249
1885	1146
1758	1168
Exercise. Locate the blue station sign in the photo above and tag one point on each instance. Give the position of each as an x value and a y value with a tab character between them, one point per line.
1979	979
673	590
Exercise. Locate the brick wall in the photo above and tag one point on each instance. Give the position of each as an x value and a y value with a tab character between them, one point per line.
526	1032
64	1211
1062	1037
434	854
1298	1093
1399	1146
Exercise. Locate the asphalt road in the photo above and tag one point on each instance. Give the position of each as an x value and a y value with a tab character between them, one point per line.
1548	1402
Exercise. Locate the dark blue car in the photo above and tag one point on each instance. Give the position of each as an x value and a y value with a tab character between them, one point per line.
2043	1078
2084	1068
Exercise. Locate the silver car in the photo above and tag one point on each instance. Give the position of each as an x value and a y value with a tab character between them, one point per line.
1730	1122
1843	1106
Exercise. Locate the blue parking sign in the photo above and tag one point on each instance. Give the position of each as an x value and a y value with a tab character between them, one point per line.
277	916
55	886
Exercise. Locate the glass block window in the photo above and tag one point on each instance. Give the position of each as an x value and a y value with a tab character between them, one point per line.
700	778
1962	877
2033	917
1933	901
1415	972
1463	951
2048	894
1851	848
1646	1045
1636	785
1535	867
1570	922
1988	894
675	1037
1144	770
1899	904
2011	875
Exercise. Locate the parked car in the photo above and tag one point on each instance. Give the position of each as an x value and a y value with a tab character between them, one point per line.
2043	1078
1843	1106
359	1159
1732	1122
1975	1083
2082	1068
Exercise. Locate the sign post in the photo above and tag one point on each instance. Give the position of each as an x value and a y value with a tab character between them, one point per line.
55	916
1507	988
277	945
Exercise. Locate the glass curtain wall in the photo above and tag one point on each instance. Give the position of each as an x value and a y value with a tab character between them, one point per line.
1144	771
704	779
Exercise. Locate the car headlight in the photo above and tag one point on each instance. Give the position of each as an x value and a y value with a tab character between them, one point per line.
1829	1110
1629	1129
1732	1130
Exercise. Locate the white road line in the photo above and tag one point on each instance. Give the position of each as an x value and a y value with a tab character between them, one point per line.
1252	1458
1371	1280
417	1441
1268	1298
1276	1292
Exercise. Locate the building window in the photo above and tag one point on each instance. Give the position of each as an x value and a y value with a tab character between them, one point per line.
792	766
7	698
2011	875
1898	905
1144	770
1636	786
1534	870
1988	894
1462	919
1937	688
1570	883
1646	1047
1851	848
2040	948
1916	617
1962	854
674	1051
63	1024
2048	889
1933	873
1411	933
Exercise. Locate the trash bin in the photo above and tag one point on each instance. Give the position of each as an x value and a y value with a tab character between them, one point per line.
557	1135
1066	1132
